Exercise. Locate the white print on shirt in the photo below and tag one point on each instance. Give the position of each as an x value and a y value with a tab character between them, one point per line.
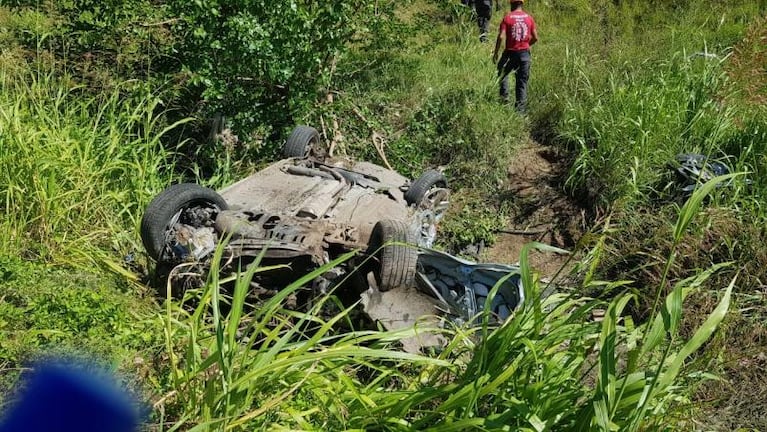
519	30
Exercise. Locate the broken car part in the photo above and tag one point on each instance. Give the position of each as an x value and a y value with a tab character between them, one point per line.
304	211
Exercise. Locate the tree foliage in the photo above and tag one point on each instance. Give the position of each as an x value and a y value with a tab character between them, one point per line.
126	37
258	62
262	61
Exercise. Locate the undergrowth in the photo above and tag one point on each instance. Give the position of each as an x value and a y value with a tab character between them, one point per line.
48	312
80	156
75	170
550	366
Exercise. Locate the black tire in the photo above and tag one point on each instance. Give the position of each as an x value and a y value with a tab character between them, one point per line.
164	207
419	188
395	263
301	142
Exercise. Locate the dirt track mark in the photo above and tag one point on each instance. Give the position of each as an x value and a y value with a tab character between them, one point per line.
541	210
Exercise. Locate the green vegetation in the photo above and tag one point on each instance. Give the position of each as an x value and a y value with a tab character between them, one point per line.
103	104
76	168
47	312
250	369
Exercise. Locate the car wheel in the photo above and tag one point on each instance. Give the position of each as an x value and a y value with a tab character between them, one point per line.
419	190
170	206
302	142
395	263
430	195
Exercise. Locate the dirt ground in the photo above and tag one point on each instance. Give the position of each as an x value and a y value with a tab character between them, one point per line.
542	212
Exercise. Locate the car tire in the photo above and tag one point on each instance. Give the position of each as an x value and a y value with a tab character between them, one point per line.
302	142
395	263
164	207
419	188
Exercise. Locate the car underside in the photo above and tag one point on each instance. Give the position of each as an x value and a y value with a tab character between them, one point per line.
368	228
303	212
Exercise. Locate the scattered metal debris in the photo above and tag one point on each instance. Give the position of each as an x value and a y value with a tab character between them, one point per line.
693	170
463	287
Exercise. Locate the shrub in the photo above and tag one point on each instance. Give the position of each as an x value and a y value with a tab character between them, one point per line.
262	62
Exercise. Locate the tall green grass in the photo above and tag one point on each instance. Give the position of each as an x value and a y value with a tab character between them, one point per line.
626	135
551	366
76	168
625	108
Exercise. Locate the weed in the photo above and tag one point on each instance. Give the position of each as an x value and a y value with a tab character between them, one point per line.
75	169
253	368
48	311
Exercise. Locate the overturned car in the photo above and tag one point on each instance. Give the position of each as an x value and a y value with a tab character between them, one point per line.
302	211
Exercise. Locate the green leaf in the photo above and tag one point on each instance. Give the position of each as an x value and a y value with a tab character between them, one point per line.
672	312
655	335
692	205
701	335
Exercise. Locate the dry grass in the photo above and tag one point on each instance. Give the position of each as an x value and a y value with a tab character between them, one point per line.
738	398
747	65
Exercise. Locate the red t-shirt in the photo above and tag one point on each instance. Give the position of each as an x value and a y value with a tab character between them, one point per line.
519	27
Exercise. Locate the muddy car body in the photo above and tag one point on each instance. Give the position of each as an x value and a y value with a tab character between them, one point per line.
302	211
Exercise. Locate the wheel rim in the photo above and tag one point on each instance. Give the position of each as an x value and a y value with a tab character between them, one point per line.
314	149
434	205
309	148
437	199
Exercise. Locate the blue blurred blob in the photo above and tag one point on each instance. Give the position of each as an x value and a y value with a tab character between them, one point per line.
65	397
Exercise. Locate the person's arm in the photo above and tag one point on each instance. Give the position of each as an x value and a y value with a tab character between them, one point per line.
534	34
499	40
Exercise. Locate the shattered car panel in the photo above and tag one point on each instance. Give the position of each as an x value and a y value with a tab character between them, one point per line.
406	308
463	286
447	286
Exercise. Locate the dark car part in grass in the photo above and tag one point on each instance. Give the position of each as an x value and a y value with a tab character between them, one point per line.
694	169
463	287
302	211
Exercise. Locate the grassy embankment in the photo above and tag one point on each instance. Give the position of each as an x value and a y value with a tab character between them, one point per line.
622	90
78	169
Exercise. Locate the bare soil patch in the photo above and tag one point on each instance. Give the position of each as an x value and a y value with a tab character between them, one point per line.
542	211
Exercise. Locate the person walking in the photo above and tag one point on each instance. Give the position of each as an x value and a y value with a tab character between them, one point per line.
484	10
520	32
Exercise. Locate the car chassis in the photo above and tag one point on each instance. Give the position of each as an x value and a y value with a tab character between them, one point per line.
302	211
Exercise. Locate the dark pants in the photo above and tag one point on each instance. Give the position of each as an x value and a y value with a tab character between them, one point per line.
484	10
519	63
